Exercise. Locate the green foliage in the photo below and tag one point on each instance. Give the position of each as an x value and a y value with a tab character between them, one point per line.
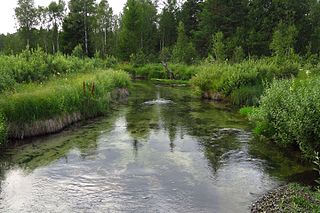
26	15
138	29
138	59
246	111
218	47
84	93
3	130
78	26
243	82
165	55
78	51
183	52
289	113
316	162
238	54
148	71
283	40
37	66
168	24
246	95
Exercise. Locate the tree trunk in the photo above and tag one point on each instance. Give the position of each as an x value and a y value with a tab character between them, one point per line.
85	29
169	71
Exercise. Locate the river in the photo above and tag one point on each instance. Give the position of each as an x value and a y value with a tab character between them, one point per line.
161	151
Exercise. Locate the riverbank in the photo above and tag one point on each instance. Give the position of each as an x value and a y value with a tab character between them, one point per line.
39	109
289	198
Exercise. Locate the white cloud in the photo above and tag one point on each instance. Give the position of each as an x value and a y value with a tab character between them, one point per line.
7	20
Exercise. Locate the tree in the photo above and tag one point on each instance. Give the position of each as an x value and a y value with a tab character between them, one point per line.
26	15
43	21
218	47
138	30
190	13
314	17
56	15
263	17
78	26
104	26
219	16
283	40
183	51
168	24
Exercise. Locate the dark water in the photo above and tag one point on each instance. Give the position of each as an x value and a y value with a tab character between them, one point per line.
163	151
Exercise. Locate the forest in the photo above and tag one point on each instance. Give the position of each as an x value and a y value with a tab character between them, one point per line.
242	28
261	57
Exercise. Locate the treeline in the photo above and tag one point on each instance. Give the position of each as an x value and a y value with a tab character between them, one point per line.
184	32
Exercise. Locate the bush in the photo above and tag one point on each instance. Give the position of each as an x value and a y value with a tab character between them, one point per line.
289	114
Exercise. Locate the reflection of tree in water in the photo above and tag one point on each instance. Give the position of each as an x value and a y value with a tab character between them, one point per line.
184	116
140	119
191	118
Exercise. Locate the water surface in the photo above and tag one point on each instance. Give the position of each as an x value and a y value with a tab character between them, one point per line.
162	151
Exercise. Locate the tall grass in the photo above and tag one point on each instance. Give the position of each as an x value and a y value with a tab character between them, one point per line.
87	94
242	83
37	66
157	71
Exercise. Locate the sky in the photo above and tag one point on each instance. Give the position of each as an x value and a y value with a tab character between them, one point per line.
7	20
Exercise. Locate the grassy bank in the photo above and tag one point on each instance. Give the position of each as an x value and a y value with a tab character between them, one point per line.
242	83
78	95
289	198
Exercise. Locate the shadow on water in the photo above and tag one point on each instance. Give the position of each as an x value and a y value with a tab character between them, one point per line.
164	150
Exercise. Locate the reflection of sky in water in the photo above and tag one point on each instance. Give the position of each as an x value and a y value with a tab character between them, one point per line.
156	158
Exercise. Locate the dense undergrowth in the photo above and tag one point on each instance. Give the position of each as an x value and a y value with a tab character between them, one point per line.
157	71
37	66
242	83
289	114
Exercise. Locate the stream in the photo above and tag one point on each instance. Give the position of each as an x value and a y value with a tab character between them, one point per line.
161	151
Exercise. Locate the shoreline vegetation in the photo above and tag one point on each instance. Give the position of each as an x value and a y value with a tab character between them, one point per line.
35	110
43	94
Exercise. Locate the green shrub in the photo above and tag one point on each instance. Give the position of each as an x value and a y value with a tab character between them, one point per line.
6	81
246	111
78	51
138	59
289	114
